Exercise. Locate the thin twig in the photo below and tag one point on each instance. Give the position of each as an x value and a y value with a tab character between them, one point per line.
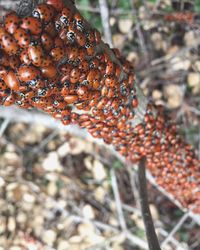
146	214
104	11
4	126
175	229
118	200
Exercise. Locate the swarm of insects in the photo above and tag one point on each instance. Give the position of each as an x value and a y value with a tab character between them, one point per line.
54	61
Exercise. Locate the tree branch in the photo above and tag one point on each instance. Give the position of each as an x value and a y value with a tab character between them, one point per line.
146	214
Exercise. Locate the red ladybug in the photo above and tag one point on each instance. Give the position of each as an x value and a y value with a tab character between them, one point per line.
57	4
3	86
57	53
4	59
9	100
71	99
83	92
9	45
24	58
44	12
75	75
22	38
47	41
50	29
36	54
110	81
14	62
11	80
3	72
11	22
79	21
134	102
49	71
31	24
28	73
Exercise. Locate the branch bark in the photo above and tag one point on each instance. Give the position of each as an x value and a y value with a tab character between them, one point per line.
146	214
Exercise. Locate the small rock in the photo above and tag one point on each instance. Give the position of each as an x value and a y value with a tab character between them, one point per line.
190	39
118	40
88	212
63	245
51	163
85	228
125	25
29	198
194	82
2	182
174	95
49	237
11	224
177	63
99	194
154	212
52	188
98	171
63	150
156	94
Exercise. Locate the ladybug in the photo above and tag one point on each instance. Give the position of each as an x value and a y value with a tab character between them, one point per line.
44	92
71	98
134	102
3	86
28	73
50	29
22	38
58	42
80	37
90	36
110	68
9	100
11	22
110	81
36	84
97	36
90	49
47	61
31	24
49	71
24	58
36	54
11	80
9	45
60	104
75	75
72	53
2	32
46	41
44	12
67	13
57	4
14	62
84	66
93	75
3	72
57	53
83	92
4	59
79	21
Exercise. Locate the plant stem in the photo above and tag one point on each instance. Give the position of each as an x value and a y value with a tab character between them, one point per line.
146	214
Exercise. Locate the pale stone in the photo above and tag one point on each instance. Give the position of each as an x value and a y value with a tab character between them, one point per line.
156	94
190	39
125	25
99	194
52	188
154	212
177	63
85	228
174	95
49	237
98	171
88	162
11	224
196	66
193	79
51	163
118	40
63	245
2	182
29	198
63	150
88	212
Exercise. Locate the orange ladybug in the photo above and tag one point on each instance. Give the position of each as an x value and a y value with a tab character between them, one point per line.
22	38
11	22
11	80
9	45
31	24
44	12
28	73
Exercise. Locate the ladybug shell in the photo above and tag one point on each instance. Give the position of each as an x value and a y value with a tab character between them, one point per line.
68	13
57	4
80	37
9	44
35	54
25	58
49	71
2	32
14	62
110	81
32	24
57	53
58	42
11	80
11	22
3	86
28	73
9	100
50	29
3	72
44	12
4	59
22	38
75	75
71	99
47	41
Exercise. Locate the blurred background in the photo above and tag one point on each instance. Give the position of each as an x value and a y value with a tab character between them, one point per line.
61	191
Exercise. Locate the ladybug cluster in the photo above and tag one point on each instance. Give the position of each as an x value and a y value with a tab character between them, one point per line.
183	17
54	61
